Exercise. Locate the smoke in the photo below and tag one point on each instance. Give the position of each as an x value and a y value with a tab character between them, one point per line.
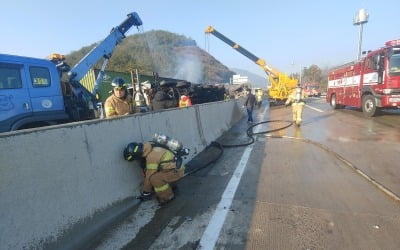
189	67
179	60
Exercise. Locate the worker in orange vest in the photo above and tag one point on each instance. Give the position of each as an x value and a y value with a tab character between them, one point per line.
185	101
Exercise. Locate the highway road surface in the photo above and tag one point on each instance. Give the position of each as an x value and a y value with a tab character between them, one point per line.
333	183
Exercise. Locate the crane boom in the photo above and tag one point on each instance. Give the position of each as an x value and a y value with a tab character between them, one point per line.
259	61
279	83
105	48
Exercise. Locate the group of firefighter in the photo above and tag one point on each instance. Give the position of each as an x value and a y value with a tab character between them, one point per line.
121	102
161	158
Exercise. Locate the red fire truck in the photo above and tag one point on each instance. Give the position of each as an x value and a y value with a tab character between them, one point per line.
311	89
371	83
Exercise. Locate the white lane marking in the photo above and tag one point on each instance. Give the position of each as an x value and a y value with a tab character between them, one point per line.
211	234
319	110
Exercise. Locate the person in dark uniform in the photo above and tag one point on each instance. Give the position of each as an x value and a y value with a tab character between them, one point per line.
162	99
249	104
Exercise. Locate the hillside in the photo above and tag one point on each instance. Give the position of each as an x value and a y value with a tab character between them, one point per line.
168	54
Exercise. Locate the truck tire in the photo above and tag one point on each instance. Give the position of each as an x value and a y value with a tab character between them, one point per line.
369	107
333	103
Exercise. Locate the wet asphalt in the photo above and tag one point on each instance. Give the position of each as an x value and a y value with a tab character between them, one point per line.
330	184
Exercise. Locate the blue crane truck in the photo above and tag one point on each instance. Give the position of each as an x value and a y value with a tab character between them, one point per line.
34	94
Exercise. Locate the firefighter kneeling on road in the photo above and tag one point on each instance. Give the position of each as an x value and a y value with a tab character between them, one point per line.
296	98
163	166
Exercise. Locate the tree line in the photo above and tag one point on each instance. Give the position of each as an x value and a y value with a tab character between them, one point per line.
313	74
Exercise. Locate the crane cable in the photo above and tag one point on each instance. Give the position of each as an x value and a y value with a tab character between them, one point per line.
207	43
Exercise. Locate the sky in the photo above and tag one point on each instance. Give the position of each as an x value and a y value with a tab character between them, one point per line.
287	34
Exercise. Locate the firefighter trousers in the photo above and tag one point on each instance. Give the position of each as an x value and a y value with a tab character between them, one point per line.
297	110
161	183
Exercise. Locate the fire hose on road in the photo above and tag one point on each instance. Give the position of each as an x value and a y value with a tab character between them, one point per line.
267	134
220	146
216	150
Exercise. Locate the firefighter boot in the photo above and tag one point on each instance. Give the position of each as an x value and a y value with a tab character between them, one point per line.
145	196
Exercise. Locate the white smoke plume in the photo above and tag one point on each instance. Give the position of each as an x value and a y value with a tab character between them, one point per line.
189	68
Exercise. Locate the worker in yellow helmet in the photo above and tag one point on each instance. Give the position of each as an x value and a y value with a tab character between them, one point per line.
296	98
120	102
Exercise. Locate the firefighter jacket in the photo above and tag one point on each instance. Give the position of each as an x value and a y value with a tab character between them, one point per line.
185	101
292	98
158	159
115	106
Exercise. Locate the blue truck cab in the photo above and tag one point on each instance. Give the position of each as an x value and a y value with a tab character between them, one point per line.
33	93
30	93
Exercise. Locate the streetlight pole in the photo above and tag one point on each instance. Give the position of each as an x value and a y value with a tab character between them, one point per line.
294	71
301	72
360	18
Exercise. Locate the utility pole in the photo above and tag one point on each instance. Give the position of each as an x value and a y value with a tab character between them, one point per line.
360	18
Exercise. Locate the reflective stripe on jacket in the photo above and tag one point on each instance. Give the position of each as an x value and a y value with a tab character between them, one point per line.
158	159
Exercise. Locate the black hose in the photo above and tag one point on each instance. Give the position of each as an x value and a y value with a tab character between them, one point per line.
370	179
213	160
250	134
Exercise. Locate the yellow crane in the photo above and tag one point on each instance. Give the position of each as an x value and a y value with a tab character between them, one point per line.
280	84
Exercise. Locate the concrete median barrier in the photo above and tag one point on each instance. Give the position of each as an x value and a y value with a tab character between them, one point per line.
56	182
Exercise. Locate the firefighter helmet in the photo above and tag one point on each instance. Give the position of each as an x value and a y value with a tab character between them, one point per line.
118	82
133	151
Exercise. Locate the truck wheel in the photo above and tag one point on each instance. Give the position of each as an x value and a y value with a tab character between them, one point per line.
334	105
369	107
